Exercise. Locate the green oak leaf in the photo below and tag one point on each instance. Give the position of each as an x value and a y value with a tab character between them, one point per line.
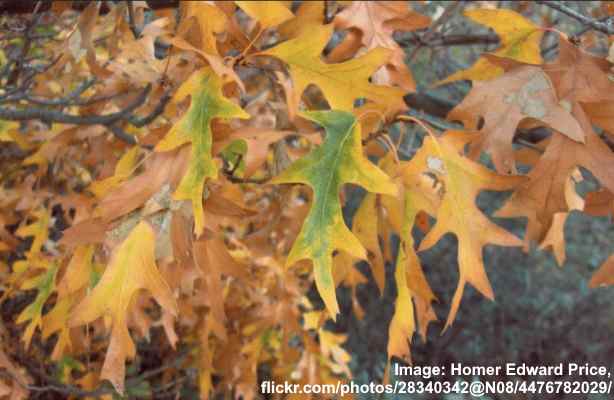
208	102
337	161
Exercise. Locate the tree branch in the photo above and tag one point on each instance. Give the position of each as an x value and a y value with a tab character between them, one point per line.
605	27
46	115
451	40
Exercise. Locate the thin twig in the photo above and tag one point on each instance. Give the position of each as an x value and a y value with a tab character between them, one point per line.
131	20
432	30
140	122
46	115
605	27
26	46
451	40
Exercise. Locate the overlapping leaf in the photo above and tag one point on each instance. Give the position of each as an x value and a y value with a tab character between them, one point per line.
524	92
458	213
520	41
341	83
377	21
131	269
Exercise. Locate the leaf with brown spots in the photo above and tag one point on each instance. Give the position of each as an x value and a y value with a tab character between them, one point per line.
524	92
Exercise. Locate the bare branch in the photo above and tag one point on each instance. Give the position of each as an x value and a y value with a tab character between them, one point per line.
46	115
451	40
601	26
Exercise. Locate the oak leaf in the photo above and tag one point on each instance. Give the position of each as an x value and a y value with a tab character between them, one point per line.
580	76
341	83
38	229
458	213
132	268
45	284
269	13
555	237
520	40
604	275
377	21
123	169
413	309
544	193
207	103
365	225
599	203
308	15
211	22
523	92
337	161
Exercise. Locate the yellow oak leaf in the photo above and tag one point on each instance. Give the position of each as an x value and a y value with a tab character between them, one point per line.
9	133
520	41
413	309
402	326
78	272
310	14
76	277
211	22
341	83
458	213
132	268
365	227
269	13
55	321
123	170
45	284
337	161
207	103
330	346
39	229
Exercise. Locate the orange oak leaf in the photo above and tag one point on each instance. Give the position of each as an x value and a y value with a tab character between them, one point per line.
543	194
555	237
463	180
604	275
599	203
579	76
376	21
524	92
